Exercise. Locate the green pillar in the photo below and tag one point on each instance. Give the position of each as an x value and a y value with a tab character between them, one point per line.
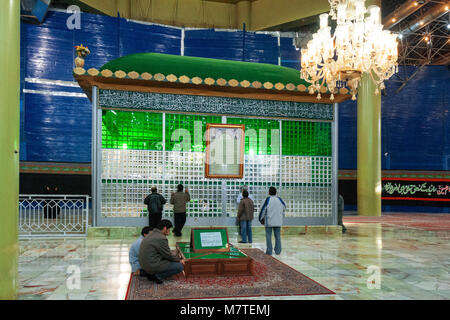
369	149
9	145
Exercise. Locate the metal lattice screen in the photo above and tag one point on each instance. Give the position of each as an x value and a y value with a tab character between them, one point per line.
144	149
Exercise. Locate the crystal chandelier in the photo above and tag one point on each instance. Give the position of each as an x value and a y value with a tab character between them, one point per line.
359	45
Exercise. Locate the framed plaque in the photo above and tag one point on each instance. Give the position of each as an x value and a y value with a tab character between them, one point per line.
224	151
212	239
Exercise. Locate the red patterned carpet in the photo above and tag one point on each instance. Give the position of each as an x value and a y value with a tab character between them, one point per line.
432	222
270	277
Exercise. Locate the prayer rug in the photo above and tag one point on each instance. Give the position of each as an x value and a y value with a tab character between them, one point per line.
270	277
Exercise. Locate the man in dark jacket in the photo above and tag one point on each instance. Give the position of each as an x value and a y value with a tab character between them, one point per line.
179	200
155	203
245	217
155	256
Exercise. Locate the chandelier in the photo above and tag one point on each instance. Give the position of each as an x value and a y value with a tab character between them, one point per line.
359	44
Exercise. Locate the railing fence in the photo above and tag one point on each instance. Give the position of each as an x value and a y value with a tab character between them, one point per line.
53	215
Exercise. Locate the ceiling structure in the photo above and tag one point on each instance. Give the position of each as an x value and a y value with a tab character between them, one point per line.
423	28
423	25
258	15
424	34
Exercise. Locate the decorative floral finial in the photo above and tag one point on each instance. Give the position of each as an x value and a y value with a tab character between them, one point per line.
81	52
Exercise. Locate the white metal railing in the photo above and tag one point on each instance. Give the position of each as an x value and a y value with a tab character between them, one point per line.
53	215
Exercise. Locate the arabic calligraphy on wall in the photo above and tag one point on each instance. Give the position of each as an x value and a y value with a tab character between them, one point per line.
416	189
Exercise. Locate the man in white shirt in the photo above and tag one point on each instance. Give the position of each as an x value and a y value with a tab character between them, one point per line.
271	215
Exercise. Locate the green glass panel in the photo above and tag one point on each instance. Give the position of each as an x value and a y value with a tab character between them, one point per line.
131	130
261	135
306	138
186	132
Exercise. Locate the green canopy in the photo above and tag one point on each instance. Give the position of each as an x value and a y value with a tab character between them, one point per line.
203	68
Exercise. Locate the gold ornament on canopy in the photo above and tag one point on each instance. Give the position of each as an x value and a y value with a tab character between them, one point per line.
359	44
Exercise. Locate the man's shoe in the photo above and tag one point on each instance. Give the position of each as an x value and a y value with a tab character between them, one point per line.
153	278
142	273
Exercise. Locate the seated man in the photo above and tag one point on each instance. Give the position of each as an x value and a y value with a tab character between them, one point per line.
133	255
155	256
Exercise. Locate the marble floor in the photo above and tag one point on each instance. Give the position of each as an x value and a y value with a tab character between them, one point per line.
370	261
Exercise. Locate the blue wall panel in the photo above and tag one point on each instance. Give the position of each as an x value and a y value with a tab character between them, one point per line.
55	124
415	124
23	63
139	37
290	56
50	52
415	120
207	43
232	45
58	128
101	35
347	135
261	48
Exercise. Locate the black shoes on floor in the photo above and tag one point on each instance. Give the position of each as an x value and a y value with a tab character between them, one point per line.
153	278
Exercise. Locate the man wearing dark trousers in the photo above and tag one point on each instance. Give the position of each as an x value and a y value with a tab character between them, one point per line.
341	212
155	203
134	252
179	200
155	256
272	215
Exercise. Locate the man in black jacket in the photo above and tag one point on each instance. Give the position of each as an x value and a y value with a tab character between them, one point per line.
155	203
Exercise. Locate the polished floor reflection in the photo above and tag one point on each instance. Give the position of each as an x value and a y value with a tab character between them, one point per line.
372	260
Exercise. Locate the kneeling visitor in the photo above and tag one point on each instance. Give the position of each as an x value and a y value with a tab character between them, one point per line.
155	256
